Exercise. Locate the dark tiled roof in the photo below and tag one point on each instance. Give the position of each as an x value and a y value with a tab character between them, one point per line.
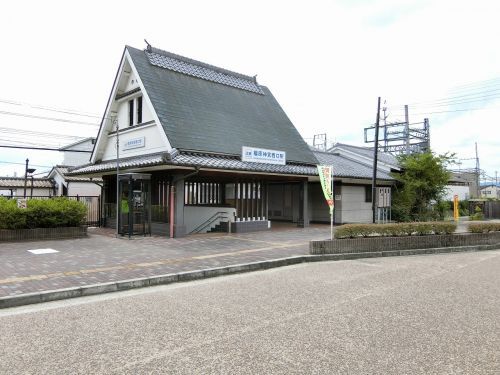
367	152
63	171
189	159
202	115
18	182
194	68
345	167
342	167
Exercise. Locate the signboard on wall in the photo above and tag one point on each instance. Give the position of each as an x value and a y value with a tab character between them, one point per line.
22	203
134	143
261	155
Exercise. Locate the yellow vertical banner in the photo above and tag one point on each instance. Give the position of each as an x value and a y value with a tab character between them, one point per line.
325	177
455	207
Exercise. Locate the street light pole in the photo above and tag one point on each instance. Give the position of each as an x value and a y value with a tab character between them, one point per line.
26	177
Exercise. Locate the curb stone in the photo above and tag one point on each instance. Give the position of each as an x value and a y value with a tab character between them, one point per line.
89	290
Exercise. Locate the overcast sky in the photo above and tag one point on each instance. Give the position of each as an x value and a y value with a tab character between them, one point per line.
326	62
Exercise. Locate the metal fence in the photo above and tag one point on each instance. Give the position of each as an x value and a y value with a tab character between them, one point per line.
490	209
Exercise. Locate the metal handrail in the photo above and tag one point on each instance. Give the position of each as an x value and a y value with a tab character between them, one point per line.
210	220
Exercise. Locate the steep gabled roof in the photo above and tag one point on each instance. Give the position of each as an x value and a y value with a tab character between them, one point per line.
208	109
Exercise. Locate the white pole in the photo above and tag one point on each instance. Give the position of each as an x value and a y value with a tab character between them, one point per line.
333	204
117	181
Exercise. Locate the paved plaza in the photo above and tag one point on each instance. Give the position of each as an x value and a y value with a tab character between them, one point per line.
433	314
101	257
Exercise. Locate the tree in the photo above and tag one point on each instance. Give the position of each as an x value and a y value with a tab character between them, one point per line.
420	185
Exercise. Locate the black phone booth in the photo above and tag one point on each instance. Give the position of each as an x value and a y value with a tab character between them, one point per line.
134	208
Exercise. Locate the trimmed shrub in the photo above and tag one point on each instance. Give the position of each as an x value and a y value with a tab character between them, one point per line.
394	230
10	216
49	213
478	214
484	227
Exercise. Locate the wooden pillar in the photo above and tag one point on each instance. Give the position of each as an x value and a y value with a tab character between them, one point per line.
304	205
236	198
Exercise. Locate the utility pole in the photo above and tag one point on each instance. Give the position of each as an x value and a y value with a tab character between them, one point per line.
478	171
407	130
375	159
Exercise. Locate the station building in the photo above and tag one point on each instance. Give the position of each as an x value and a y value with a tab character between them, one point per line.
197	147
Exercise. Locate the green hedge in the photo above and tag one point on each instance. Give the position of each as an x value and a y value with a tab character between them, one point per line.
47	213
484	227
394	230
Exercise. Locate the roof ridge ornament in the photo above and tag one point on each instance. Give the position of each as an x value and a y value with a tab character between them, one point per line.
149	48
199	69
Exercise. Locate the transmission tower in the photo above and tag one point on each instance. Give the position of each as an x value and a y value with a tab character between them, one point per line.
319	141
401	137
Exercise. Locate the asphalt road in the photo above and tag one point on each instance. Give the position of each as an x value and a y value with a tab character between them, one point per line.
436	314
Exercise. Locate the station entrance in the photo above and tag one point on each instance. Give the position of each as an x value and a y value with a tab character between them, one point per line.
134	208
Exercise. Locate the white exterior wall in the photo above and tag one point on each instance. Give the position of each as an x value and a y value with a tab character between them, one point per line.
38	192
59	182
153	142
122	112
354	207
490	192
463	192
83	189
78	158
197	215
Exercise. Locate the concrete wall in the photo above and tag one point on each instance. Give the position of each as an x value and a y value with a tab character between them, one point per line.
197	215
354	207
83	188
37	192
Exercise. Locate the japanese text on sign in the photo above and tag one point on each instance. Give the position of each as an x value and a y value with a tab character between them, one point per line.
260	155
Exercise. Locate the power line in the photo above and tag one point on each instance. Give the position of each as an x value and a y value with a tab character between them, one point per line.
51	109
454	110
39	134
47	118
33	165
43	149
487	82
461	99
22	142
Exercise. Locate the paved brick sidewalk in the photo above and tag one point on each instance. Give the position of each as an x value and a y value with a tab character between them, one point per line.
103	258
